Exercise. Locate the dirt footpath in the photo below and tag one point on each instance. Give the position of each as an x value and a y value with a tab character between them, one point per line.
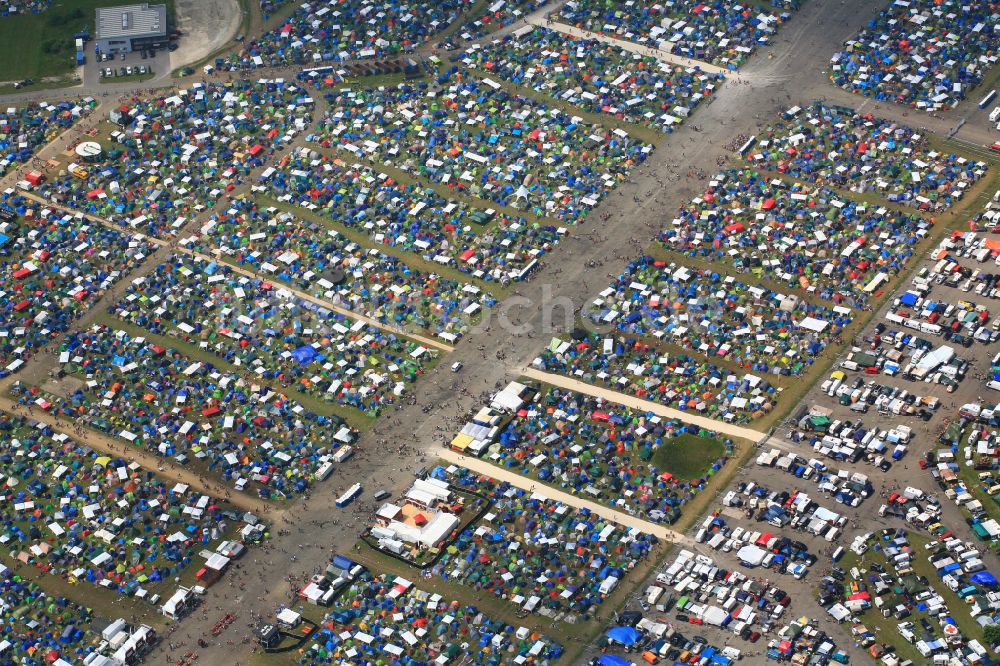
550	492
207	25
645	405
164	468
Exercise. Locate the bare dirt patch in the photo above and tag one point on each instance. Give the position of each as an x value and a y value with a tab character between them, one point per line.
207	25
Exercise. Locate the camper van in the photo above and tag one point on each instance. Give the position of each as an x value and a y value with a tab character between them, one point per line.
178	605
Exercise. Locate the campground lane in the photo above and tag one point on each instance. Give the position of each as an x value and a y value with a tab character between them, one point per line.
179	249
163	467
645	405
524	483
659	54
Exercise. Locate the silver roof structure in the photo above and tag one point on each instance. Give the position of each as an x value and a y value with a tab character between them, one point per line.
131	21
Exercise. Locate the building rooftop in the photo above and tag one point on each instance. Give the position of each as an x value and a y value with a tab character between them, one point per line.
131	21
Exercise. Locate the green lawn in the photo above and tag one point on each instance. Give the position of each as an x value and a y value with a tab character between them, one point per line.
970	477
688	456
35	46
885	629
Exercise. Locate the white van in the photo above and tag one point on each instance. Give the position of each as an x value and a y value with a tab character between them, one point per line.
608	584
973	565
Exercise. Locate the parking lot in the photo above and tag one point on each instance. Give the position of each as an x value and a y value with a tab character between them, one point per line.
95	70
859	454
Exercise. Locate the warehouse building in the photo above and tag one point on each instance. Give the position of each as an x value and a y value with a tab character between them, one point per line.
131	28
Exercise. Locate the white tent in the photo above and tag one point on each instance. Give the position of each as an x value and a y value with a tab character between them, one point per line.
751	555
813	324
509	399
289	618
838	612
714	616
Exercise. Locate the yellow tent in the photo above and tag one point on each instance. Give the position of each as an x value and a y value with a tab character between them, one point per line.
461	442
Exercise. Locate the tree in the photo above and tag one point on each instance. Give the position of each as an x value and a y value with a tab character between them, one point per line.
991	634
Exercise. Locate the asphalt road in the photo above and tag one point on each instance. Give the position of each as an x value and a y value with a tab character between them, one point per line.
495	352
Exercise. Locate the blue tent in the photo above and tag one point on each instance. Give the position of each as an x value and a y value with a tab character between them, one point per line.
627	636
984	578
305	354
613	660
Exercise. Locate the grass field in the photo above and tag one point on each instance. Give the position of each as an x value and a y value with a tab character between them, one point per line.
886	628
35	46
688	456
